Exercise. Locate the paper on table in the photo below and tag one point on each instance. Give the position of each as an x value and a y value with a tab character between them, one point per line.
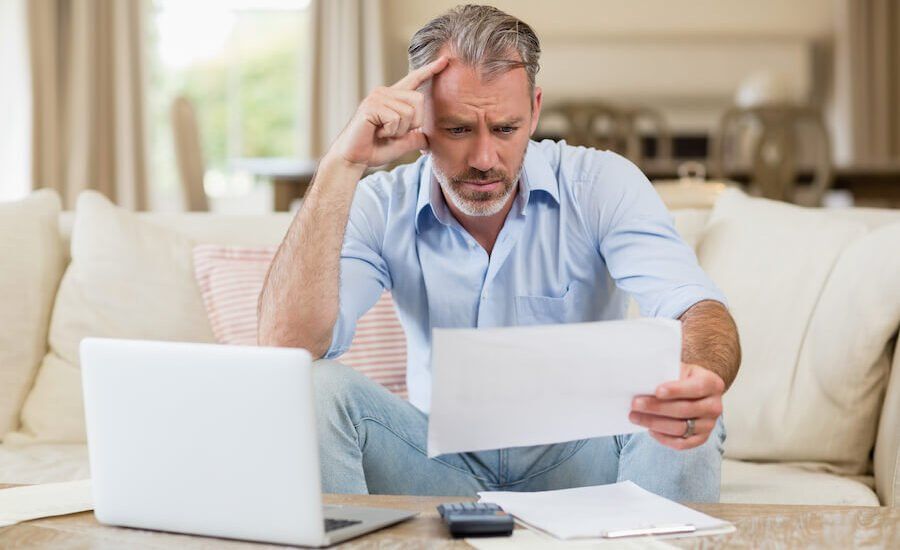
40	501
526	539
591	511
510	387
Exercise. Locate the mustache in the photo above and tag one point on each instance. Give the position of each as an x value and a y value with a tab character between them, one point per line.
478	175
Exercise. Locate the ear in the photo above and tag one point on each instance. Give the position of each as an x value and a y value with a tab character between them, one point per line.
536	108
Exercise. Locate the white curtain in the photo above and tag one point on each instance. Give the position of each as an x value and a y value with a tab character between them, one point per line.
15	102
867	81
88	98
348	61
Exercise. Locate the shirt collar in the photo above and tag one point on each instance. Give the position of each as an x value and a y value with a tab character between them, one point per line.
537	175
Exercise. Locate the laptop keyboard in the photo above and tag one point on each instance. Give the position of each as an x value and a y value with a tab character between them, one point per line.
332	524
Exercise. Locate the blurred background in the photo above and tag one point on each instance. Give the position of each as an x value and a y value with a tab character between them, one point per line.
226	104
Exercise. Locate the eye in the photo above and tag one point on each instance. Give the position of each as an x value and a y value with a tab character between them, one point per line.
506	129
458	130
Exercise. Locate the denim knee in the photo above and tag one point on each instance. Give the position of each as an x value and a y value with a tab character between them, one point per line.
335	386
333	380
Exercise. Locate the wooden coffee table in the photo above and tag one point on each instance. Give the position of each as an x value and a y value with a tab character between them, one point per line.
758	526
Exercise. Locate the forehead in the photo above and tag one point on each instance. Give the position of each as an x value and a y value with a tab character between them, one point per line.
460	91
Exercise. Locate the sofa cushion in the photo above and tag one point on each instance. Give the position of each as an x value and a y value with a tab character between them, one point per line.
752	483
230	280
129	277
46	463
690	224
31	264
816	298
886	458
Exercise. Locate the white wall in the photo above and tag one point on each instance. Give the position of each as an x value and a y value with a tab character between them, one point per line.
15	102
686	57
610	18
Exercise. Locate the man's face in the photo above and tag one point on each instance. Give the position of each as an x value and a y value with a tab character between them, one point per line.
478	132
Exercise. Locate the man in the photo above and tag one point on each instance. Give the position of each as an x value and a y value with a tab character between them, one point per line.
489	229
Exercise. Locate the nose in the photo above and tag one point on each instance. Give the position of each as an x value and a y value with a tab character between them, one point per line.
484	153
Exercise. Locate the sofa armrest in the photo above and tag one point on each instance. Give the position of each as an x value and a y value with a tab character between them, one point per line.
887	445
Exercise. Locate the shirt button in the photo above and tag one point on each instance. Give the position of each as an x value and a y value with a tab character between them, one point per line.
484	296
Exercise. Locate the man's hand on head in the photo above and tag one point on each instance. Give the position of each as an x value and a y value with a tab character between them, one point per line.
388	122
697	395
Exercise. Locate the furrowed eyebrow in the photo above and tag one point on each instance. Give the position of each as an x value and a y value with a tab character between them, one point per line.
453	121
510	122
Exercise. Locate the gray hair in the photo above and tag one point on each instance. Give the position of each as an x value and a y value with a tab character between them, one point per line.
480	36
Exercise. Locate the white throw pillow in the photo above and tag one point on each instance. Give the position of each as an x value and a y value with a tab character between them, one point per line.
128	278
816	298
31	264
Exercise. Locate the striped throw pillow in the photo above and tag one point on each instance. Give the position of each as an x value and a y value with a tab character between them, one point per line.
230	279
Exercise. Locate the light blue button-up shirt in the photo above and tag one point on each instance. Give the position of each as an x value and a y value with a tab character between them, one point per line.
586	230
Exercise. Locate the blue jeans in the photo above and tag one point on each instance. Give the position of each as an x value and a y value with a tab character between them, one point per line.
371	441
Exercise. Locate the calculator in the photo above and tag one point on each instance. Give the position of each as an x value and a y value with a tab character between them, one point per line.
476	519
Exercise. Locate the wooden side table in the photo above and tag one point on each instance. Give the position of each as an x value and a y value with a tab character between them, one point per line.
290	177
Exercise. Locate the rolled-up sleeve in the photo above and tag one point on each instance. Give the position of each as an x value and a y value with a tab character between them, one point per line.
364	273
637	239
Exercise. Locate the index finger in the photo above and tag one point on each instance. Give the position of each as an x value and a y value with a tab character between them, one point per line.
688	388
417	77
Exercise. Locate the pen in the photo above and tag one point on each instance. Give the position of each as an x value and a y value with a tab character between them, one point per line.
652	530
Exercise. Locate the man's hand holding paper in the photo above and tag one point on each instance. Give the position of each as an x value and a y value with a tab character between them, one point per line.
696	396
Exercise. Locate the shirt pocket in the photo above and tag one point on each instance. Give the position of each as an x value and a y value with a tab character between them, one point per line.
547	310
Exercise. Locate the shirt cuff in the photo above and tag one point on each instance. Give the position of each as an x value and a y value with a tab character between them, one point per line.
340	342
685	297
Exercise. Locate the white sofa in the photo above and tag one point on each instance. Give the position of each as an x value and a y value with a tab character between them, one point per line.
802	428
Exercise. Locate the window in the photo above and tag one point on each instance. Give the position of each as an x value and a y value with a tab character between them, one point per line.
15	103
245	65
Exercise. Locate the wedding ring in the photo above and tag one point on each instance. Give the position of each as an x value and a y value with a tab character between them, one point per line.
689	428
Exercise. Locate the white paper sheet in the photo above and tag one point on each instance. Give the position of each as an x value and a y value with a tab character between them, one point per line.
510	387
526	539
588	512
19	504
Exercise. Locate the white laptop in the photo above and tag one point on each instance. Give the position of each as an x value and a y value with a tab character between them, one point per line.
210	440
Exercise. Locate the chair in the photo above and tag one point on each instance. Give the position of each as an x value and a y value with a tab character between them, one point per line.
605	126
189	154
772	133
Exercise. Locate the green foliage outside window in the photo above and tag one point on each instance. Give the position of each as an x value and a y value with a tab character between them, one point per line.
250	98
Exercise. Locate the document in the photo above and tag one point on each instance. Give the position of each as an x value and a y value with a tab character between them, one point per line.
526	539
602	510
28	502
518	386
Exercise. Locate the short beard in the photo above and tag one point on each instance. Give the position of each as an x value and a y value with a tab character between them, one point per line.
477	203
